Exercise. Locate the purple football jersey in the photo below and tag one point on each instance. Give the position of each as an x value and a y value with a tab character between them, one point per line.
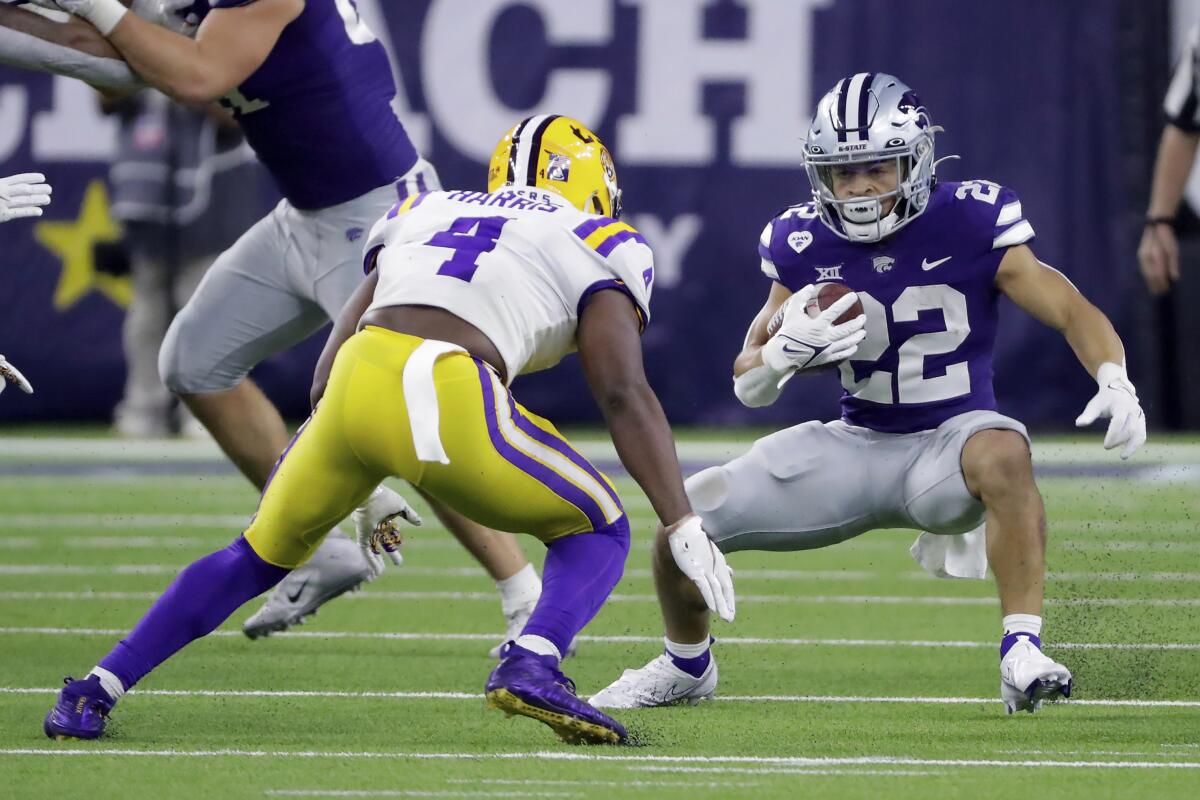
318	111
930	299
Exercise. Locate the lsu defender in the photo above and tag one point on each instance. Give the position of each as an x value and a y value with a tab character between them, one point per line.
920	443
466	290
282	67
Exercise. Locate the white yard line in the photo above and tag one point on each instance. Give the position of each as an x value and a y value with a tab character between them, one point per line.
411	793
726	641
476	697
753	599
589	782
785	761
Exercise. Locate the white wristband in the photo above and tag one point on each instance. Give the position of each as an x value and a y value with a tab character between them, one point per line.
105	14
759	386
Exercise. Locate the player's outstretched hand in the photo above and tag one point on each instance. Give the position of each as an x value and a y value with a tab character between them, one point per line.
803	342
1117	400
10	373
700	560
23	195
376	525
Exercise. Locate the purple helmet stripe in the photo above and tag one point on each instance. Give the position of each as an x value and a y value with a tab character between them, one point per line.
864	95
566	490
421	187
535	150
839	124
512	150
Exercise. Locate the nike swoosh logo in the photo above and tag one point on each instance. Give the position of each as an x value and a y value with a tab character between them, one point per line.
928	265
787	349
294	596
674	694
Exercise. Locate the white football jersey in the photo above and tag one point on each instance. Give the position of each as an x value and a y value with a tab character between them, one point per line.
517	263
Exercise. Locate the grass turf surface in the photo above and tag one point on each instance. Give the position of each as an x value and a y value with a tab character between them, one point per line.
349	708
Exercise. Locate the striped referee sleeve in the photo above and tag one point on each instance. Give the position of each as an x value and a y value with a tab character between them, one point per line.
1182	103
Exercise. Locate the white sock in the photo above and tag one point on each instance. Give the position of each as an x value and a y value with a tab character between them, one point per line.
1022	623
519	590
109	682
539	645
686	650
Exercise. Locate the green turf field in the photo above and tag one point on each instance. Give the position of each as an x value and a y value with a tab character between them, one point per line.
848	672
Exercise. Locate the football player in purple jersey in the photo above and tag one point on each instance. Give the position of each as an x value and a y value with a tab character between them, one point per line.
312	88
920	444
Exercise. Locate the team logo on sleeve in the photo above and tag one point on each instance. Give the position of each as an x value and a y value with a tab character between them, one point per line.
559	168
883	264
798	240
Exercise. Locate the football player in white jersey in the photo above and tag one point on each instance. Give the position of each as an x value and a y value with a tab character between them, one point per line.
21	196
465	291
294	269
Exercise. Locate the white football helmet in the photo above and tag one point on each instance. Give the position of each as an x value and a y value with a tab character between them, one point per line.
870	117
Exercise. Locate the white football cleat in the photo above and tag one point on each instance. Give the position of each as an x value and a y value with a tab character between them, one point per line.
1028	677
338	566
659	683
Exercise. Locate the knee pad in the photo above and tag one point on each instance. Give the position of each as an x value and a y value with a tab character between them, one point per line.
947	508
180	367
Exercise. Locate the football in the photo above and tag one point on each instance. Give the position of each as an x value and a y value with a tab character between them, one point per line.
827	294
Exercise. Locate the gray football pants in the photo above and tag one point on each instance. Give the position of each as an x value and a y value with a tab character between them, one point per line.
818	484
280	282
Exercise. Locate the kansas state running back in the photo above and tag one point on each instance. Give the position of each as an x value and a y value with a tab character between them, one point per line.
920	444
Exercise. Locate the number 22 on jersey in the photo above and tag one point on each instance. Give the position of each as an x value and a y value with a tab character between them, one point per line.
911	385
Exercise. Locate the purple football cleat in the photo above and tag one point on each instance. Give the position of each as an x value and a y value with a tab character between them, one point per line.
531	685
81	711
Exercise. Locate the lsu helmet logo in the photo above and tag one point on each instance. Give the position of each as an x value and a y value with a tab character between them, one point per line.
798	240
883	264
559	167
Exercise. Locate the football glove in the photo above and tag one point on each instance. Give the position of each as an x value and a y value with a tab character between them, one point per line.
700	560
10	373
1117	400
174	15
375	523
23	196
803	342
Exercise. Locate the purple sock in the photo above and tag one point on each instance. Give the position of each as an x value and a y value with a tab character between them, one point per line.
579	574
197	601
693	666
1012	638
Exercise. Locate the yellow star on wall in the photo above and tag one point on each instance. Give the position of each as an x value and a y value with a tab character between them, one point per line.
73	242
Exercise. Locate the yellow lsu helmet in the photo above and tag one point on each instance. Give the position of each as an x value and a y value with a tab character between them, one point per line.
558	153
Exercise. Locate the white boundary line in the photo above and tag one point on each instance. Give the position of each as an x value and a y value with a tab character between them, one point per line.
491	597
786	761
726	640
474	696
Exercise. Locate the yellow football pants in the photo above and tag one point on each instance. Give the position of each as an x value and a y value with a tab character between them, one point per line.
508	469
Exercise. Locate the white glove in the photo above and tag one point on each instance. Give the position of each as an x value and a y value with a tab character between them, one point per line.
700	560
23	196
104	14
375	525
10	373
803	342
1116	399
174	15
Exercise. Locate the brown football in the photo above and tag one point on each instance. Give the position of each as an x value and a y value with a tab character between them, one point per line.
827	295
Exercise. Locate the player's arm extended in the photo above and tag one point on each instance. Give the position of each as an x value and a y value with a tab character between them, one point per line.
73	48
1047	295
610	349
229	46
343	328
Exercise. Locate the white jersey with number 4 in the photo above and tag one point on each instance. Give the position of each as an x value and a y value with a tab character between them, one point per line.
518	264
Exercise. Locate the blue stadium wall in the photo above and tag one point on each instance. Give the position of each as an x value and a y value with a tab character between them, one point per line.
703	104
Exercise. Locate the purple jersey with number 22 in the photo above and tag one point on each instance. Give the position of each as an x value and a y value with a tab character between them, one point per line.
930	298
318	111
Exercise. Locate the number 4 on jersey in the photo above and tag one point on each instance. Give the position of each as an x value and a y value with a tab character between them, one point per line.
469	238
